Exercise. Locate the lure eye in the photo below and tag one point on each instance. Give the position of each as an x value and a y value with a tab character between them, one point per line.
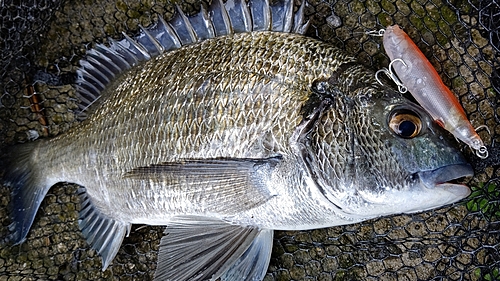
405	124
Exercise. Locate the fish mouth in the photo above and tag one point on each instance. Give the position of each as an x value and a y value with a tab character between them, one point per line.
442	177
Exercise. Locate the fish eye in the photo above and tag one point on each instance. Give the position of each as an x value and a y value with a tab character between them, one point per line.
405	123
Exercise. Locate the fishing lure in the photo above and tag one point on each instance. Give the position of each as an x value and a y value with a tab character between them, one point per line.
416	75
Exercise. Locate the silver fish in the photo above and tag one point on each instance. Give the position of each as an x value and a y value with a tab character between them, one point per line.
224	127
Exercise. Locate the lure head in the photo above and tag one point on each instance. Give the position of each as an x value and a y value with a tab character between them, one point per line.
466	133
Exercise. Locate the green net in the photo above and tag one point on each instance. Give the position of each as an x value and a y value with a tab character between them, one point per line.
41	42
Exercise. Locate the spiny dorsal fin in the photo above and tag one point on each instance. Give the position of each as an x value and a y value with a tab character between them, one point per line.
103	62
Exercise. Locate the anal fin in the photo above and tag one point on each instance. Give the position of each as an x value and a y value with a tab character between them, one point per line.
202	248
104	234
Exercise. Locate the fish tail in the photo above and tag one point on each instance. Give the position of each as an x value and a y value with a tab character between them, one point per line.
28	188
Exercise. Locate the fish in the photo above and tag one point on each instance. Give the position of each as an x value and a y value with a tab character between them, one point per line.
225	126
421	79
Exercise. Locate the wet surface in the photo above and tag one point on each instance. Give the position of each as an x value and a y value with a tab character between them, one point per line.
42	41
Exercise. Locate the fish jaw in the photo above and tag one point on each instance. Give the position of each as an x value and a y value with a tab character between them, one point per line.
439	177
441	195
438	181
425	190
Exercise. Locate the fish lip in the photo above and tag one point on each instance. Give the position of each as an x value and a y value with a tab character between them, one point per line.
440	177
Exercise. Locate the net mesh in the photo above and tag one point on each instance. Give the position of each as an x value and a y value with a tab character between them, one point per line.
41	42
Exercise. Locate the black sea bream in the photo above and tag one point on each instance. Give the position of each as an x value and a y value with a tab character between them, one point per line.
224	127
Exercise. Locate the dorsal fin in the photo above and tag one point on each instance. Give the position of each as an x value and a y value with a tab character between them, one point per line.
103	62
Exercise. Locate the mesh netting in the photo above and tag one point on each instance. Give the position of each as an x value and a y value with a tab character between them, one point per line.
42	41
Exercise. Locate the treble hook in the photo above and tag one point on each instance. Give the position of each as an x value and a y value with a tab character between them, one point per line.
384	70
483	127
401	87
482	151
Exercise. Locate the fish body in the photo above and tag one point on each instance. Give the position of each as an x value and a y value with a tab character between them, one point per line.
421	79
226	138
240	107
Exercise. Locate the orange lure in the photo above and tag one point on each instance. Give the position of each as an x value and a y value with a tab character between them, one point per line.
417	75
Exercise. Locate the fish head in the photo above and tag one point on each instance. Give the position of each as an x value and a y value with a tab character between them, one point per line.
373	152
422	154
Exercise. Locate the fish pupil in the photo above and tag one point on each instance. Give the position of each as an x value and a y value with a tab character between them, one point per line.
407	129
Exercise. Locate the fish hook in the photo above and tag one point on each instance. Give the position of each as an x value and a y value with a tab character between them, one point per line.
384	70
395	60
483	127
482	151
401	87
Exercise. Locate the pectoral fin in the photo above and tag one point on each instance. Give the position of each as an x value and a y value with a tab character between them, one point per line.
201	248
238	184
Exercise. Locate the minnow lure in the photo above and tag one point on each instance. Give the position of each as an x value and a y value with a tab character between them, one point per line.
418	76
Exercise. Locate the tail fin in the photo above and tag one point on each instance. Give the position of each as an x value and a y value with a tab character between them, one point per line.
28	188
